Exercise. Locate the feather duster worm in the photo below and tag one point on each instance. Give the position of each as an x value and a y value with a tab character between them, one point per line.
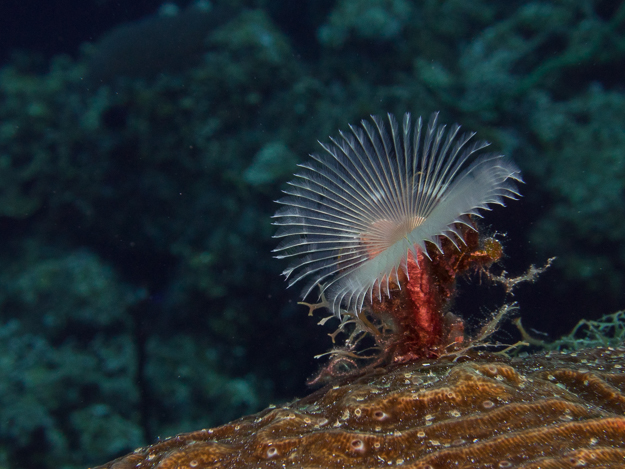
389	209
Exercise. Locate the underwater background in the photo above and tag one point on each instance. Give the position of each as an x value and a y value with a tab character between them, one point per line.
142	146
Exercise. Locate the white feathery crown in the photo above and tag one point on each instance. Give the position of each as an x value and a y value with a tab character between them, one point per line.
353	216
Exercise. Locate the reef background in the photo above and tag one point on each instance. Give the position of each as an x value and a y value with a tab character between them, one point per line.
140	153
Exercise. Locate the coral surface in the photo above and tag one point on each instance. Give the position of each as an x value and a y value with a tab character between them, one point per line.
551	411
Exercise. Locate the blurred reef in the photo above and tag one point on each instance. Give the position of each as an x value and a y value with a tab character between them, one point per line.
138	295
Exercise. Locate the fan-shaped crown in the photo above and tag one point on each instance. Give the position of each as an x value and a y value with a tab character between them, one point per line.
353	215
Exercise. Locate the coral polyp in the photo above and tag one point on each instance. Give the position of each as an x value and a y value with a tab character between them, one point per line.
357	216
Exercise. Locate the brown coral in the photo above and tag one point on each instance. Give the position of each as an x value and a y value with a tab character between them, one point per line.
556	410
